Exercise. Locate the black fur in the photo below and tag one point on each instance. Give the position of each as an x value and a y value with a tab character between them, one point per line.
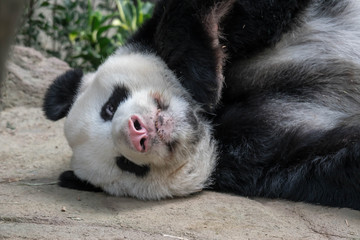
61	93
252	25
259	156
69	180
257	160
185	46
128	166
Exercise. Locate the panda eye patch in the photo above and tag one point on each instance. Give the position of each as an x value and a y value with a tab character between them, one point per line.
118	95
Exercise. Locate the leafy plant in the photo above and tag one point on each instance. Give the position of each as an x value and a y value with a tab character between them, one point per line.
83	36
131	16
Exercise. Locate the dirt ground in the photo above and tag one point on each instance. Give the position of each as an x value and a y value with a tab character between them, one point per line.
33	152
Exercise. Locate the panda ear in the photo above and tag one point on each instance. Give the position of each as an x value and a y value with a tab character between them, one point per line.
61	94
188	39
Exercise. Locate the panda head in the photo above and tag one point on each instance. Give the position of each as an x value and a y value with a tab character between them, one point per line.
132	127
132	106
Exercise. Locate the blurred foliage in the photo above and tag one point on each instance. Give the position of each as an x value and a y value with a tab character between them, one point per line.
82	34
33	24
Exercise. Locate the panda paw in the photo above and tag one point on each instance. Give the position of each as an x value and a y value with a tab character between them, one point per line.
68	179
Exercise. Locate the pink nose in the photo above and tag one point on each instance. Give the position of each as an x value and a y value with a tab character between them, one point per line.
138	134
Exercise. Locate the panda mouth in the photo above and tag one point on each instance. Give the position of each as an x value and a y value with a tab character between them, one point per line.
128	166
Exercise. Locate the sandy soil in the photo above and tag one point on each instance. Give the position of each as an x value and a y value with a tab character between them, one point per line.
33	152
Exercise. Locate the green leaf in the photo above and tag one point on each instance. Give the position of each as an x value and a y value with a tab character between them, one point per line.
147	8
120	10
44	4
103	29
134	18
94	36
104	45
73	36
118	23
95	20
58	7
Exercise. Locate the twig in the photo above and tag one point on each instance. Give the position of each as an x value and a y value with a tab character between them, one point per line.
170	236
37	184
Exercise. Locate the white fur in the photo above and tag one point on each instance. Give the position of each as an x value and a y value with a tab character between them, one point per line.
96	143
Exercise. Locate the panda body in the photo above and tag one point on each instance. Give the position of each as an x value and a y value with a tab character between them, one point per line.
259	98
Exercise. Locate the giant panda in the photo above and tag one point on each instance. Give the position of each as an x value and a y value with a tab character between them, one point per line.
254	97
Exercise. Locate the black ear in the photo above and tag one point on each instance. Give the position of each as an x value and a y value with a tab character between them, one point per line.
61	93
187	37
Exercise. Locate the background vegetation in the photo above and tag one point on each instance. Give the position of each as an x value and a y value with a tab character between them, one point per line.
81	32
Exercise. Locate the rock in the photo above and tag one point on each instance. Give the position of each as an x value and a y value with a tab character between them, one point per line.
29	73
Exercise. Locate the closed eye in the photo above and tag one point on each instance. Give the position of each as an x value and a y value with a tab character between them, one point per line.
118	95
159	103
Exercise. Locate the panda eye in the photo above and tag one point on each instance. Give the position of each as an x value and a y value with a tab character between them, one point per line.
118	95
110	110
159	103
107	111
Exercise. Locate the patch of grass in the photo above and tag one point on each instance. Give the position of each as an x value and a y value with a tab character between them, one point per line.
10	126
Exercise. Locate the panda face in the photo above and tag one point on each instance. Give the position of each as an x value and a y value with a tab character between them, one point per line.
133	108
